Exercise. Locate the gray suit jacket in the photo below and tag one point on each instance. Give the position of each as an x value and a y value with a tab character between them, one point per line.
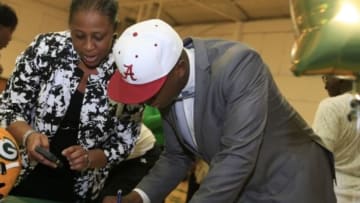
258	147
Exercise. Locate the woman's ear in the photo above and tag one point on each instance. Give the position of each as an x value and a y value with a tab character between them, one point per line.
116	25
115	35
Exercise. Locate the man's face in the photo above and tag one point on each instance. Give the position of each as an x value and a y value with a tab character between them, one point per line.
5	36
166	94
332	85
171	89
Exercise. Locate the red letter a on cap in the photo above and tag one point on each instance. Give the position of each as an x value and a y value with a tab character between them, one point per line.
129	73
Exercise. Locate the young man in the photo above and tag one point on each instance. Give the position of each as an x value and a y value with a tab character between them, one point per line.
8	23
341	136
218	102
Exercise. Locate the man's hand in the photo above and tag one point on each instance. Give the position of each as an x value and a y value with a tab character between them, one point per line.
109	199
132	197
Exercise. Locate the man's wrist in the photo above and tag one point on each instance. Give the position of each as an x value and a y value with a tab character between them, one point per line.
142	195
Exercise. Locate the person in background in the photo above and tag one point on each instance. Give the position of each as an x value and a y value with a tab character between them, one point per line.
152	119
57	99
8	23
218	102
339	134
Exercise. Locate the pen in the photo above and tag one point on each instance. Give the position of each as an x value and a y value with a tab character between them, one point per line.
119	196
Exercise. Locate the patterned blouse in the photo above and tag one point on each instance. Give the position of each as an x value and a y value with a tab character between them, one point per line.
39	92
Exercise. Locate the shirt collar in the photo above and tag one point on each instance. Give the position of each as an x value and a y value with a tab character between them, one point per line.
190	85
189	90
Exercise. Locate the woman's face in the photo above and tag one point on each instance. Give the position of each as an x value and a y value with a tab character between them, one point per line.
92	36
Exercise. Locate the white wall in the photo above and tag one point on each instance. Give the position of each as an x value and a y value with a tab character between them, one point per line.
273	39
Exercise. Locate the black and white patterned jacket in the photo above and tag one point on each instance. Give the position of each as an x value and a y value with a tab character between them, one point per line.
39	91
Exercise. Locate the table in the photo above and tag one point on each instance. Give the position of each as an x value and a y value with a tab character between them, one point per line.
18	199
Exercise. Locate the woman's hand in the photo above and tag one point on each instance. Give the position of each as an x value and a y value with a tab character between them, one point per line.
78	157
34	140
29	138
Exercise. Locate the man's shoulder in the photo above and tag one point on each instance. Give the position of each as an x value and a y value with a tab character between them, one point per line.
342	100
225	51
216	43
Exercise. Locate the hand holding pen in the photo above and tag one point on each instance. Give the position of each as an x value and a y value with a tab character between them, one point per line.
118	196
132	197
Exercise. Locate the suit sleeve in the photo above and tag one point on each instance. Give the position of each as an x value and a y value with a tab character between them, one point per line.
169	170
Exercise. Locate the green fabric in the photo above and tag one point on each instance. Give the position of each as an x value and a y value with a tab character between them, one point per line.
152	120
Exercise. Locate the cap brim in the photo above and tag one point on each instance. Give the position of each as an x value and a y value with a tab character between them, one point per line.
121	91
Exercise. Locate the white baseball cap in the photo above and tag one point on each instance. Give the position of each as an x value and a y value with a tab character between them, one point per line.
144	54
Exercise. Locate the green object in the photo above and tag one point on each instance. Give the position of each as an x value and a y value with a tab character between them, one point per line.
18	199
152	120
328	37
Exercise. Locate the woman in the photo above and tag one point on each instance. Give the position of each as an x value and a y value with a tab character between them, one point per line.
57	99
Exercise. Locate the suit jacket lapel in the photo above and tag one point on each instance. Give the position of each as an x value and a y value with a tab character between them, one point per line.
173	120
202	80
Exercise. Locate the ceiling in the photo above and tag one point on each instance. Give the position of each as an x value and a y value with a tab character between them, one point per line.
186	12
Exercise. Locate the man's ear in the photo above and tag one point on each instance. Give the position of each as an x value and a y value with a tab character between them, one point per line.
182	66
182	69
